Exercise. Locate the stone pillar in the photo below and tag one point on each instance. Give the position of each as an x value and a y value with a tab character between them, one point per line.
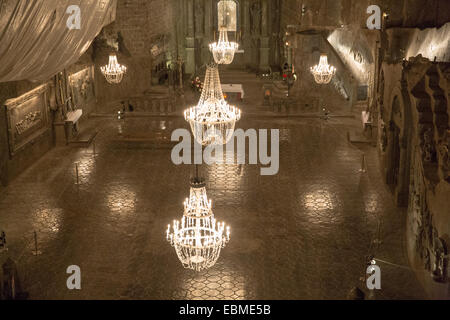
265	40
276	10
209	29
209	19
190	39
264	18
246	32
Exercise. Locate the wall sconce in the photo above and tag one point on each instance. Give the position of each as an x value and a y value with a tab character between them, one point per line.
303	9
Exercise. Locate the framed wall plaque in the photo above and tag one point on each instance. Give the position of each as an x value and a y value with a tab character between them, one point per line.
27	118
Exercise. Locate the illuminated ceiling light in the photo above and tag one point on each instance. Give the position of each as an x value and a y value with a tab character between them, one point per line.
113	72
323	72
223	51
198	238
212	120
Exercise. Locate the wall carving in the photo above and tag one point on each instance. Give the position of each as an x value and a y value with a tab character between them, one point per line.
82	88
339	84
428	146
444	147
383	137
429	238
357	56
159	45
254	24
158	48
30	120
430	247
426	131
27	118
255	17
227	15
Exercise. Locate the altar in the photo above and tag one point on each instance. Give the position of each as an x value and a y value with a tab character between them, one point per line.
233	92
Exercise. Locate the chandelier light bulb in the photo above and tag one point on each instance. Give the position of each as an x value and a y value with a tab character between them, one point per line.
224	50
198	238
212	120
323	72
113	72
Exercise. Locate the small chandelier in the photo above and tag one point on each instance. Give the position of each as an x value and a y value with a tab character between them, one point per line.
223	51
213	119
113	72
323	72
198	238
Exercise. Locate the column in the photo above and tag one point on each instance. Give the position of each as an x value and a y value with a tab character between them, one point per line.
265	40
246	34
190	40
209	19
209	29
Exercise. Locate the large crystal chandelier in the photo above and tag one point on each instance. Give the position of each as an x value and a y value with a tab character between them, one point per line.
113	72
198	238
223	51
323	72
213	119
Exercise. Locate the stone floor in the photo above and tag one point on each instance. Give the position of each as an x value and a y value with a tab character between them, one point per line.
302	234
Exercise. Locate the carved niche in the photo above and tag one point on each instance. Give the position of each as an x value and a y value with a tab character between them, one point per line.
27	118
227	15
428	145
444	147
430	247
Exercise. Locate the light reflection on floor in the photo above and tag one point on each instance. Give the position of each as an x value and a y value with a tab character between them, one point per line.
301	234
219	283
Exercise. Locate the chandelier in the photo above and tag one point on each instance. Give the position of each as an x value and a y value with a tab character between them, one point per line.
213	119
198	238
223	51
323	72
113	72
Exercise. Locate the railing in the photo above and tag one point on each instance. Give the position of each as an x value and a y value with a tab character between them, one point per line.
153	105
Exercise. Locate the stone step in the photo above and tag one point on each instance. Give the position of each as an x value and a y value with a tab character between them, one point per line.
84	138
355	136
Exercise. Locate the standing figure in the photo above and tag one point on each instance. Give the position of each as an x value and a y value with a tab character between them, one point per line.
199	17
255	11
